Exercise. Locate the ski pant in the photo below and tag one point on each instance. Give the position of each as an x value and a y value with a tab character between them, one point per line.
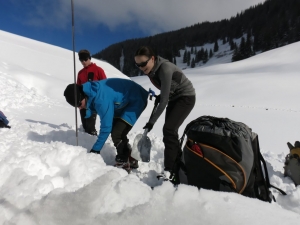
176	112
119	137
88	123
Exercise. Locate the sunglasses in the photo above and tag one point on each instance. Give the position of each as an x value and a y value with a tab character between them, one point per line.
142	64
83	59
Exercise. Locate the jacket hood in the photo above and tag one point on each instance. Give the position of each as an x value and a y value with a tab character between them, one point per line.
90	91
159	60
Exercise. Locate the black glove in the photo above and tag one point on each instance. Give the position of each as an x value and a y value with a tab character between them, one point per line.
157	99
94	151
148	126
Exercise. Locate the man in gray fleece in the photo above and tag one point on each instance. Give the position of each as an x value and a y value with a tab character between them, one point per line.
177	95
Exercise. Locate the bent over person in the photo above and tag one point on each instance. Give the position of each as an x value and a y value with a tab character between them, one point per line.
90	72
177	95
119	103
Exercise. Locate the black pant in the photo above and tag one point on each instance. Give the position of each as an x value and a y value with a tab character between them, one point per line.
88	123
119	137
176	112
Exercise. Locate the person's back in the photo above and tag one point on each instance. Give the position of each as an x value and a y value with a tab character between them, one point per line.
122	93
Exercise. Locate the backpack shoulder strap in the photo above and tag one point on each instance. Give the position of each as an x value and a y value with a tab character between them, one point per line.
262	180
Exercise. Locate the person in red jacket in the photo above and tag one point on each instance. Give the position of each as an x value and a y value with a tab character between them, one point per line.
90	72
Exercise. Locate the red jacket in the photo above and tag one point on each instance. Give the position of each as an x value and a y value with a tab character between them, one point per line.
91	72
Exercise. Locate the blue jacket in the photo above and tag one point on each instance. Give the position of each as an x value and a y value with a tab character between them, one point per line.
114	98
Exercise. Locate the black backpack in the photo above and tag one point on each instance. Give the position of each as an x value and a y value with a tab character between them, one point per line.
224	155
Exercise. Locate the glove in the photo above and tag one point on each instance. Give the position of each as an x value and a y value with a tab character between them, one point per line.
157	99
94	151
148	126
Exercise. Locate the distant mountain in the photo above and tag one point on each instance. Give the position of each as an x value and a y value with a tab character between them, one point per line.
260	28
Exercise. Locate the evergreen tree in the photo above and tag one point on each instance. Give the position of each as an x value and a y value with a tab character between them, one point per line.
178	54
205	56
216	46
174	61
193	63
224	41
236	55
185	57
188	58
232	45
167	54
248	47
196	57
199	55
242	49
210	53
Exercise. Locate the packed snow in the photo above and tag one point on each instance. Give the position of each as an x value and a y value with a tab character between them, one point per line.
45	178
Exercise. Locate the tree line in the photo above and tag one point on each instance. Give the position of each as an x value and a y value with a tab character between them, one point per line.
263	27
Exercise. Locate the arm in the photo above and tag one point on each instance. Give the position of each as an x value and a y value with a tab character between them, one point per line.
100	74
106	112
78	79
165	75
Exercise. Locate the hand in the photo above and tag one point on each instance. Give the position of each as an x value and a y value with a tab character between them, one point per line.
157	99
148	126
94	151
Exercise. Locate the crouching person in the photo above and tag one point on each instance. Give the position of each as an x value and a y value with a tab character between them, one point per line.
119	103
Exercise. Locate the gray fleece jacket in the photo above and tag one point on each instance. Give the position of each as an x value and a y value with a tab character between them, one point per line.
171	82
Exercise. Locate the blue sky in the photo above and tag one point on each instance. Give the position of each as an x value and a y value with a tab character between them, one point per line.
100	23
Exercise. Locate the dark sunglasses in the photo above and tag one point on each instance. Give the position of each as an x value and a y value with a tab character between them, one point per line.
142	64
83	59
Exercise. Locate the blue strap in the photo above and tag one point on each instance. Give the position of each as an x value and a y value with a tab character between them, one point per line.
152	93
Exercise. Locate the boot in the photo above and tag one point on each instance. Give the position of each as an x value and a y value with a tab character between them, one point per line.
93	133
123	164
134	164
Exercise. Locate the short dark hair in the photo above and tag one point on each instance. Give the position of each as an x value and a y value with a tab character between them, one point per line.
83	53
145	50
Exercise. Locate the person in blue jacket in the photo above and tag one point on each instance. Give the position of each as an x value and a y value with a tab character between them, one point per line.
119	103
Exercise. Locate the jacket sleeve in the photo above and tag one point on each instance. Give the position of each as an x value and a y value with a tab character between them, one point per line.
78	79
165	76
106	112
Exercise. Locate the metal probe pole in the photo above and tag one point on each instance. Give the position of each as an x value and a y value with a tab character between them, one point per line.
75	90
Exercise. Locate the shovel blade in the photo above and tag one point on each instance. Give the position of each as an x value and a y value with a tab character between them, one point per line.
141	148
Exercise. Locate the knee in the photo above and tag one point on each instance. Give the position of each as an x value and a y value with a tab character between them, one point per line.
116	138
169	131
